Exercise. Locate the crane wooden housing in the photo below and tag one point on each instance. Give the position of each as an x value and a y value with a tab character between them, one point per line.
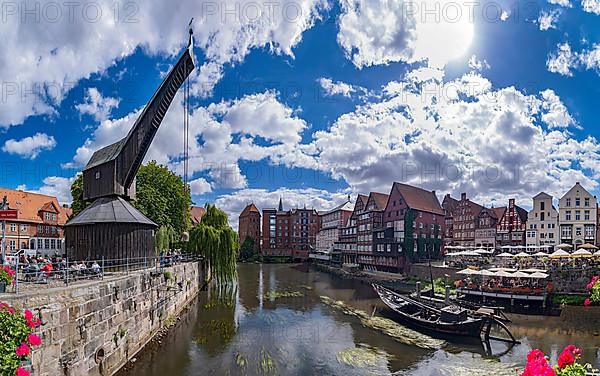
111	227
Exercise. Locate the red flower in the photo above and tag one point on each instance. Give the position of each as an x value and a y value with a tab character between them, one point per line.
535	355
34	340
23	350
587	302
566	358
22	372
28	315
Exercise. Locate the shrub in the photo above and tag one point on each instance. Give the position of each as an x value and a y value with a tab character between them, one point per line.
7	275
16	339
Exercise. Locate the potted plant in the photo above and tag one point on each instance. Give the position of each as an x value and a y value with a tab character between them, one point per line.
6	277
594	288
568	365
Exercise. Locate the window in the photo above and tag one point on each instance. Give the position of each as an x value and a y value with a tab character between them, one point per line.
578	231
587	201
24	228
542	216
568	215
13	245
586	215
542	205
13	227
577	215
568	202
577	202
97	175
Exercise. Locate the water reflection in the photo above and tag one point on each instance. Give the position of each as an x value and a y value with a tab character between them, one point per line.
274	322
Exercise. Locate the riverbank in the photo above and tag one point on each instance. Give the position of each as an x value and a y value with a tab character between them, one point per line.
97	327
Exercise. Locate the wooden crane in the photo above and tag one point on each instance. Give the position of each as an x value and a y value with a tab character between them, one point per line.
111	227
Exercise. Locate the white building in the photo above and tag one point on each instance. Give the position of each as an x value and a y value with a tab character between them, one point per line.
542	224
578	216
331	224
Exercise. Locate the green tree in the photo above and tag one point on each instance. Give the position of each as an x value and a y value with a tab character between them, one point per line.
77	193
162	197
247	250
214	239
165	238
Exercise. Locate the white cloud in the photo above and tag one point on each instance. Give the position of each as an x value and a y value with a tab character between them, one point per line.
495	144
591	6
55	53
562	3
476	64
96	105
336	88
200	186
504	15
57	186
562	60
30	147
547	20
263	127
379	32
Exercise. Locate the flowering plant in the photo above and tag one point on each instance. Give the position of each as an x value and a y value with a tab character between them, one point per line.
567	365
594	287
7	274
16	339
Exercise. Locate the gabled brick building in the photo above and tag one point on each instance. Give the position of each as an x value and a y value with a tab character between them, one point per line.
39	225
412	230
485	231
464	221
449	204
249	225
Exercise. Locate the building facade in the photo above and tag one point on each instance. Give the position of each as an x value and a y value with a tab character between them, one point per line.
347	245
449	204
332	222
511	227
465	221
369	219
542	223
39	225
578	215
485	230
289	234
249	225
412	229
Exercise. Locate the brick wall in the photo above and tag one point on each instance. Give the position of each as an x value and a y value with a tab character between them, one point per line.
96	327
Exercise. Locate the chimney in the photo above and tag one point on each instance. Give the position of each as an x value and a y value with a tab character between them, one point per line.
463	196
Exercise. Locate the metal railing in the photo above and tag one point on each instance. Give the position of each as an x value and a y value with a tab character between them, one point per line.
62	271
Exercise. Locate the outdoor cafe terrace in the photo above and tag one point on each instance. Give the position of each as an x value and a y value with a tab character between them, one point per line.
559	271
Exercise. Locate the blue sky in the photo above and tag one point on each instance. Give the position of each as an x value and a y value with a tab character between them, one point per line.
343	97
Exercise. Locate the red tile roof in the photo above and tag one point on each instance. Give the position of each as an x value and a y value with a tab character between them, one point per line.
499	212
419	199
251	208
197	213
30	204
380	200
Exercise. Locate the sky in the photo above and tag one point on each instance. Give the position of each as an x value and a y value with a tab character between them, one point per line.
310	100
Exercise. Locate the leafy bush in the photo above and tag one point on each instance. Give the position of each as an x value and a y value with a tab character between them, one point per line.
575	300
16	339
6	275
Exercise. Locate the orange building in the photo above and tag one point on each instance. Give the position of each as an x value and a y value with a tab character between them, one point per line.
39	225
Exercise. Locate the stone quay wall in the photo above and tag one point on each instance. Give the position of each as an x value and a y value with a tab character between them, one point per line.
96	327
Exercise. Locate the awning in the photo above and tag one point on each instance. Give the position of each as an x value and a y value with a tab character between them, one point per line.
581	253
559	253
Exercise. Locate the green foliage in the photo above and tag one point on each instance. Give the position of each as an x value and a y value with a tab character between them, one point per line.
6	275
247	252
162	197
214	239
165	238
409	240
574	369
77	193
595	290
575	300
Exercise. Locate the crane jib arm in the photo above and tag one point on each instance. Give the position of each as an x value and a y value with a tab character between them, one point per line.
140	137
111	170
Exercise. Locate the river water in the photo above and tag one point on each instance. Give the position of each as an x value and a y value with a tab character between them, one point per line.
280	320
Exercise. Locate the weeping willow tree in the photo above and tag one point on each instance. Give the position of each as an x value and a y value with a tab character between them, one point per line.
164	239
214	239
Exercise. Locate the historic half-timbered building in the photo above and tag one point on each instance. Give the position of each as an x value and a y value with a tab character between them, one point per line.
369	219
485	231
511	228
449	204
347	244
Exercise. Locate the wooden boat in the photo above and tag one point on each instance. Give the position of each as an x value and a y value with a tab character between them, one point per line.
450	320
